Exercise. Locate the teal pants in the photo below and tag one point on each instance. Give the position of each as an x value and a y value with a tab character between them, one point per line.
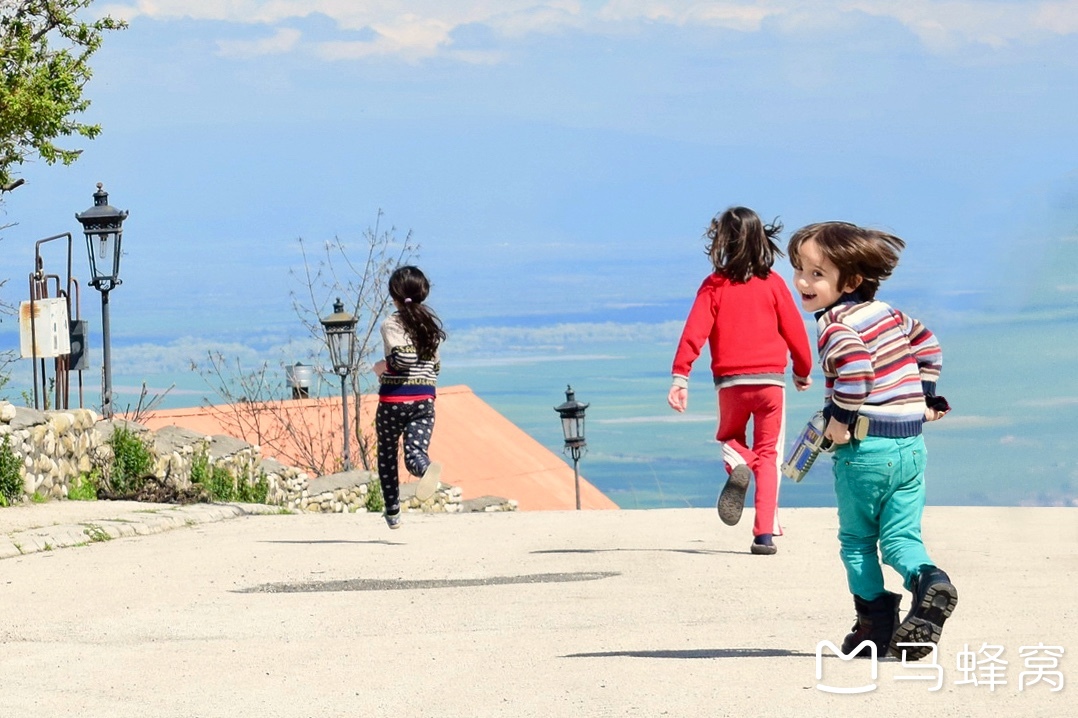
880	490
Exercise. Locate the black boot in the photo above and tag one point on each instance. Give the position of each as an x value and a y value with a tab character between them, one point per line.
876	622
934	600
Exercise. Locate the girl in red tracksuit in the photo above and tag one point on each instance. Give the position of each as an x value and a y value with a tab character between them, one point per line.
747	316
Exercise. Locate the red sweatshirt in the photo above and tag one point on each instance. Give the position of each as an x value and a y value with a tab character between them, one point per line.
750	328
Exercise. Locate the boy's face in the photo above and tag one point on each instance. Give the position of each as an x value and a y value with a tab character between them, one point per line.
817	279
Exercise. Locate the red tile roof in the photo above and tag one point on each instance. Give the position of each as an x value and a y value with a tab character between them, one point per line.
482	452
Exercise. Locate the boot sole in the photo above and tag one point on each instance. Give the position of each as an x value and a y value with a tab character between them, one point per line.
732	499
924	624
428	483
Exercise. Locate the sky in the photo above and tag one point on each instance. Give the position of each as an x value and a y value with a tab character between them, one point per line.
558	161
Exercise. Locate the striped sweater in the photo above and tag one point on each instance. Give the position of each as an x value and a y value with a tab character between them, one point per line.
878	363
407	376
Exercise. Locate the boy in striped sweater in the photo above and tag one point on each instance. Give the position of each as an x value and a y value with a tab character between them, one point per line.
881	368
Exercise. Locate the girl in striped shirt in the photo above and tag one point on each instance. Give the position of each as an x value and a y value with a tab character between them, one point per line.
881	368
407	377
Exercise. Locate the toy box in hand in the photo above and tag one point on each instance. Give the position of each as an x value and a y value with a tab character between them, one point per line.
810	442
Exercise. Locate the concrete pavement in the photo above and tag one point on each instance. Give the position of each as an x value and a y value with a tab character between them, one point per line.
612	613
30	528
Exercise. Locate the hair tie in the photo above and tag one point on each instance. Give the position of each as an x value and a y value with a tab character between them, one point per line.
407	300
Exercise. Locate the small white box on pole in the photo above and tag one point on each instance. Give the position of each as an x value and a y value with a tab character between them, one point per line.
43	328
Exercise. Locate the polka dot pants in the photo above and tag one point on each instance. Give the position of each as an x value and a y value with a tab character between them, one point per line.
414	420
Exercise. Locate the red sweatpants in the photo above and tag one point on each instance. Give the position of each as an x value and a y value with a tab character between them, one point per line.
765	405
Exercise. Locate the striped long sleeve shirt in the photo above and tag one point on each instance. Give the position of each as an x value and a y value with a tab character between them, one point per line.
878	363
408	377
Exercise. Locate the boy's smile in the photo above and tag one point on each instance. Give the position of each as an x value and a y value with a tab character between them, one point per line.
817	279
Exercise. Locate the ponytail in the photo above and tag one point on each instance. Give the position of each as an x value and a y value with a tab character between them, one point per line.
410	287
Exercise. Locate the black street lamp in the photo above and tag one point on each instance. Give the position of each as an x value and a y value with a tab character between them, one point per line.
572	425
341	336
103	225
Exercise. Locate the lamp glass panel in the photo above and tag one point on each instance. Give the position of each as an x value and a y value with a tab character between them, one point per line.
337	347
104	254
351	354
572	427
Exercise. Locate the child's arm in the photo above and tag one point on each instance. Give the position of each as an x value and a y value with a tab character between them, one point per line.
926	352
792	329
694	335
846	358
400	355
929	357
381	366
697	329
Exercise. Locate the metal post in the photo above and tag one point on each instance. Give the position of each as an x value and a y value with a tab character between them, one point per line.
576	473
106	358
344	411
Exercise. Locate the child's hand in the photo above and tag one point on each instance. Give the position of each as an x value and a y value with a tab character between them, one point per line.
837	432
937	408
678	398
801	383
380	368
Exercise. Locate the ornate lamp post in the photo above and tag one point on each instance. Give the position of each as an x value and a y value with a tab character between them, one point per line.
103	226
341	336
572	425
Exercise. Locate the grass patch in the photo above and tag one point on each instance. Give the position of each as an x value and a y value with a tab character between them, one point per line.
131	461
10	474
84	487
376	503
221	485
96	533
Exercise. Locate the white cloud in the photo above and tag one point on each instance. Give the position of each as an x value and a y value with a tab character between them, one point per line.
1051	403
423	28
552	341
744	16
281	42
662	419
410	37
1012	441
949	25
1060	18
951	421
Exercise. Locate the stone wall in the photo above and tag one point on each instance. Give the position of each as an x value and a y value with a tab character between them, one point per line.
55	449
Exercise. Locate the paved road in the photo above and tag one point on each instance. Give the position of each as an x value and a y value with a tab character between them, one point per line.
616	613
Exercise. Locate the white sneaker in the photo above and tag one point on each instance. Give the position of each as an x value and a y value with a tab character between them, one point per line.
428	483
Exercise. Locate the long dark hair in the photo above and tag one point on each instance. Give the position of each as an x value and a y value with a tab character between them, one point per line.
741	246
409	286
